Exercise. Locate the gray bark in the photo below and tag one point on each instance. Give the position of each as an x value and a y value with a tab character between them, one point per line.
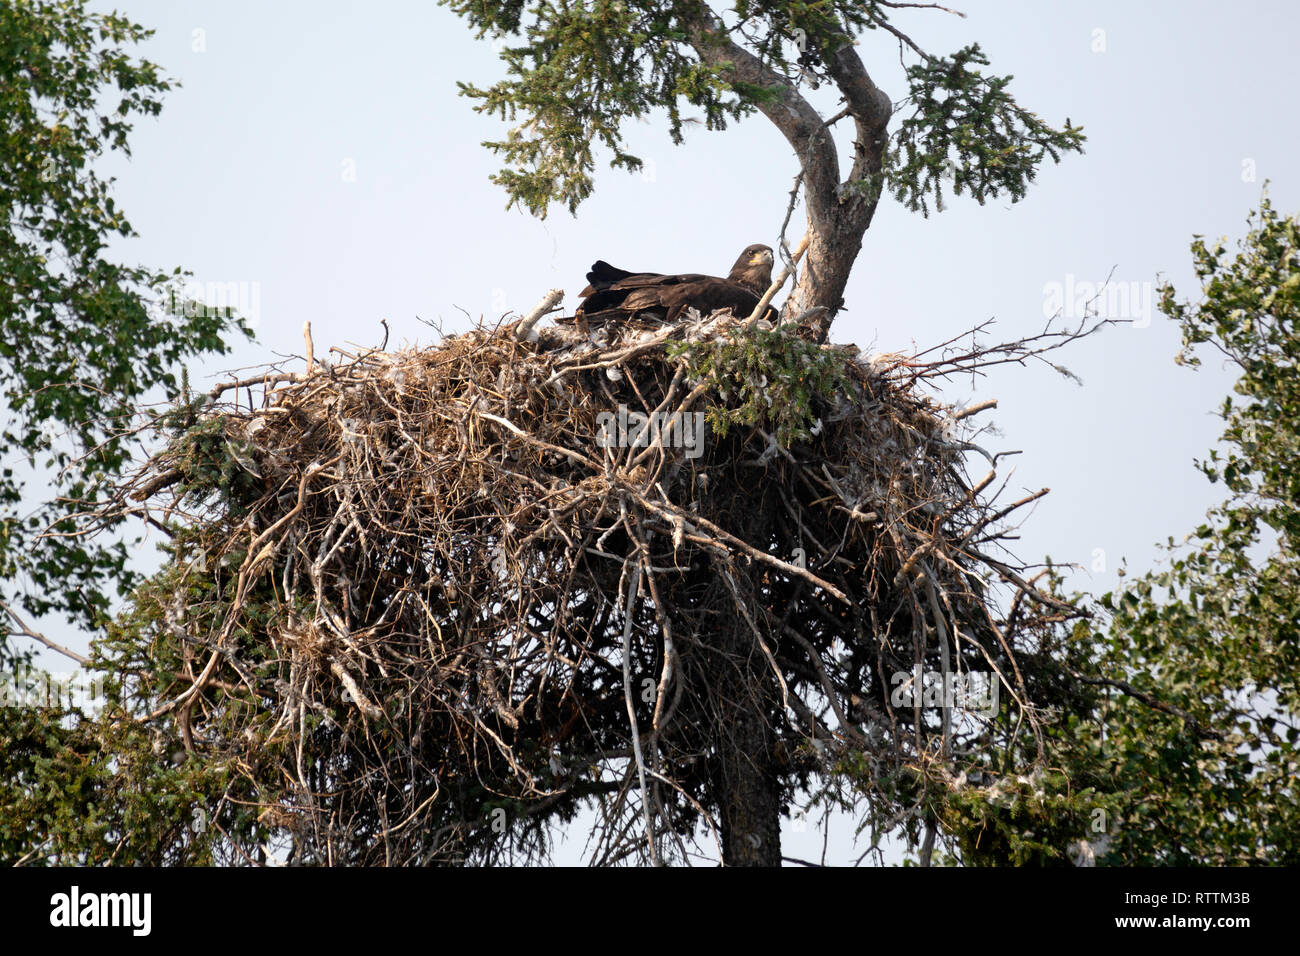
839	211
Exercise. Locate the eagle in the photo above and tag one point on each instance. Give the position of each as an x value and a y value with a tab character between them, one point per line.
615	294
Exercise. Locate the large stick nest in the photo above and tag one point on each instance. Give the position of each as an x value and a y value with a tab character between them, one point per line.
404	582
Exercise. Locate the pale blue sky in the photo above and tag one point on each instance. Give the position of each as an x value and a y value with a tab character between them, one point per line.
242	179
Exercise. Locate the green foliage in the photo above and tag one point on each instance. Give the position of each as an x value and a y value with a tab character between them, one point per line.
1251	305
214	465
86	788
765	376
78	790
1217	634
576	72
79	347
1030	820
1186	720
967	133
577	69
78	343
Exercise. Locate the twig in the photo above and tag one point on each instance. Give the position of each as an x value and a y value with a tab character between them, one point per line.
779	281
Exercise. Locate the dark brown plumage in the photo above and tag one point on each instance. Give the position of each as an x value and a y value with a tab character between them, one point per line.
617	295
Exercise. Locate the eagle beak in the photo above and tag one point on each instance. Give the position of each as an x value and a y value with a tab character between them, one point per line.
765	257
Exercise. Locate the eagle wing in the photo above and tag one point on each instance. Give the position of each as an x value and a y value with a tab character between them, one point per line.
617	294
664	297
603	275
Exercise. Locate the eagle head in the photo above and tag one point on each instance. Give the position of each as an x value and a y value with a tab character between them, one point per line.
753	269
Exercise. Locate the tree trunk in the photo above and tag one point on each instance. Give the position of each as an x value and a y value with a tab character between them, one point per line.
839	211
747	788
818	295
745	781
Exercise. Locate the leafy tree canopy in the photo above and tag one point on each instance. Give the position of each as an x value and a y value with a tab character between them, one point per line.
1189	754
1217	635
79	342
577	70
